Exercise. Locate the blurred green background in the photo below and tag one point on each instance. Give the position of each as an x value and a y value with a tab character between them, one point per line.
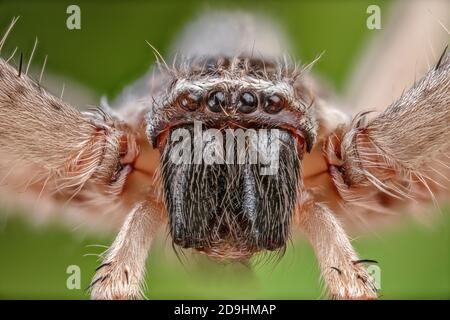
107	53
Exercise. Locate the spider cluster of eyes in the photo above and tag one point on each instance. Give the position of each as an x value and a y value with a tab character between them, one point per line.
222	101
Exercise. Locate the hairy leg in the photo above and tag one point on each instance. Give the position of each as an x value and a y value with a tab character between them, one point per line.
68	148
344	276
58	154
402	152
121	274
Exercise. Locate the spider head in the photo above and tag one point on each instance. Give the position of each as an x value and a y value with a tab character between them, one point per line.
231	135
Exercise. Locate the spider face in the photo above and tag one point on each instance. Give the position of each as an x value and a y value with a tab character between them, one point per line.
227	207
228	126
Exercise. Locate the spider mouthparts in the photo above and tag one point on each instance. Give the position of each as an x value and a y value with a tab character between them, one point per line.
228	202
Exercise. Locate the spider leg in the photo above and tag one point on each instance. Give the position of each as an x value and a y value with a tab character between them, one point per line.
393	153
121	274
77	155
372	160
344	278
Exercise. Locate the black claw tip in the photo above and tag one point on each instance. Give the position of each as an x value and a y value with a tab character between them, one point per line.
93	283
20	64
438	64
362	279
103	265
339	271
126	276
364	261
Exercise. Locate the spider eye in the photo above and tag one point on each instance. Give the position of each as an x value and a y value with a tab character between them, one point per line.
216	101
247	102
274	103
189	101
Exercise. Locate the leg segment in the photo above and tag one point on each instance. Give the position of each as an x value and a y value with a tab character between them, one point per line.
68	148
121	274
344	277
401	152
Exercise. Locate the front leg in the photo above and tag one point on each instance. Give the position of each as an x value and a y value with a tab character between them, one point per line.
401	153
121	274
344	276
